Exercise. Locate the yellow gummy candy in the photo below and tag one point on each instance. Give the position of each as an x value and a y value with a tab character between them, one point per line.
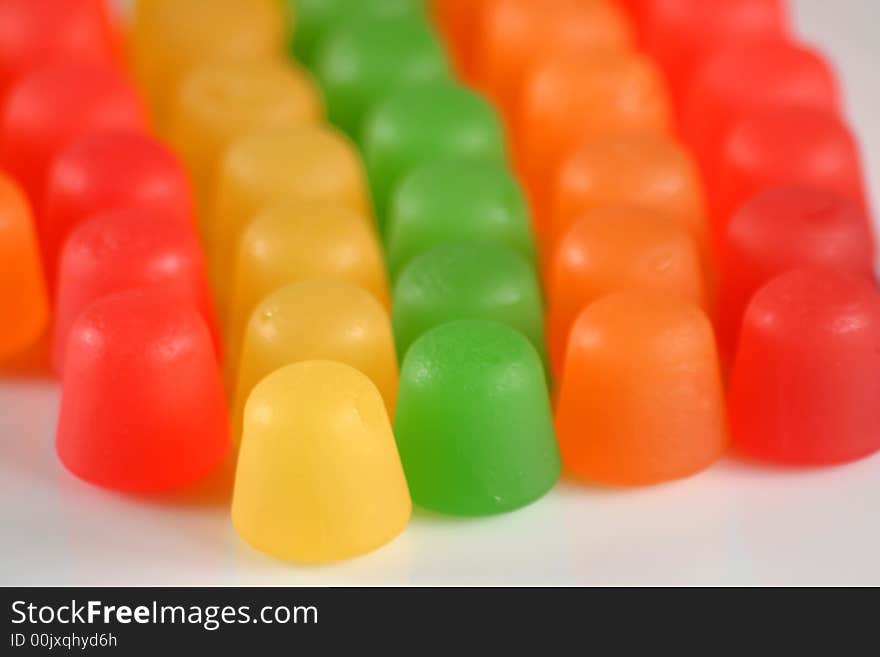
220	102
275	164
318	319
169	37
319	477
294	241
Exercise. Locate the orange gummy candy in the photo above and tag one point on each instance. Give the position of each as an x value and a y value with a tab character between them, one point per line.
612	250
24	310
651	172
641	400
514	34
568	100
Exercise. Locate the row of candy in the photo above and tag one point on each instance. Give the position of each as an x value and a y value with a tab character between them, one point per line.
297	274
473	421
111	248
26	46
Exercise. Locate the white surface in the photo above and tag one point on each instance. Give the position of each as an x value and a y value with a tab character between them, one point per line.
737	523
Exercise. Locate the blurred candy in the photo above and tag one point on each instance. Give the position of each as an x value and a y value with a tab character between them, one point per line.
513	35
170	37
219	103
317	319
635	171
318	476
24	311
301	163
806	379
741	79
419	124
613	250
641	400
142	406
36	33
110	171
454	201
681	33
51	108
124	250
785	146
314	19
473	420
362	60
567	101
467	281
781	229
295	241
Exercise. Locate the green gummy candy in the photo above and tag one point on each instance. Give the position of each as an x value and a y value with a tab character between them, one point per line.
453	201
467	281
418	124
473	422
313	19
363	59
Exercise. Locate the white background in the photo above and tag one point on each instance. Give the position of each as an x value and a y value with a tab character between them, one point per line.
737	523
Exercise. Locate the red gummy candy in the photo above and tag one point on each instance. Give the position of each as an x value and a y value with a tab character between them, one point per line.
680	33
781	229
142	408
738	80
124	250
806	380
785	146
109	171
53	106
35	33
